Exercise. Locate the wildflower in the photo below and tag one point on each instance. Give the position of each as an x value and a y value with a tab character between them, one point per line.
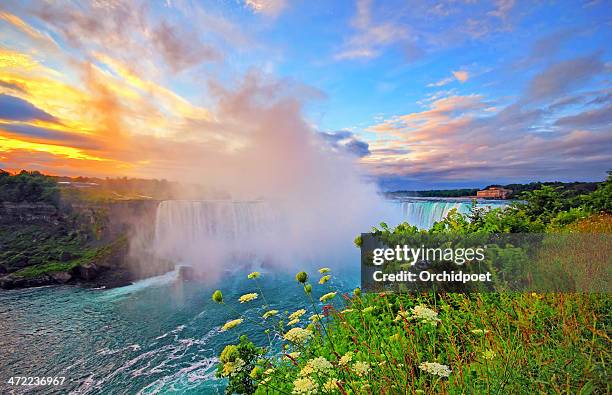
357	292
331	385
318	365
229	353
347	311
269	314
324	270
254	275
316	317
395	337
327	296
425	315
301	277
346	359
233	367
265	381
401	315
256	373
268	372
305	386
480	331
308	288
297	314
217	296
248	297
297	335
232	324
368	309
489	354
293	322
361	369
435	368
324	279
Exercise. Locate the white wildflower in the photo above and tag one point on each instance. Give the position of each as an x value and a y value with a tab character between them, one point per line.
361	369
304	386
297	335
425	315
435	368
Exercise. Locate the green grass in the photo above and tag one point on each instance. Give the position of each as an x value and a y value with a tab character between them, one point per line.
495	343
46	268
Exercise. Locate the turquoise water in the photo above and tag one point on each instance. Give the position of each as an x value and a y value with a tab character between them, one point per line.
158	335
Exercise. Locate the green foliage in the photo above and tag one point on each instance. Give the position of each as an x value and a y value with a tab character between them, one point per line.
237	363
432	343
28	187
81	256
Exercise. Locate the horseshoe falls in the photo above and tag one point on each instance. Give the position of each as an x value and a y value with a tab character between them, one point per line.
162	334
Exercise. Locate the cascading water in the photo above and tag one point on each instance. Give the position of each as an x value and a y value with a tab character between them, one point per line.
203	233
422	213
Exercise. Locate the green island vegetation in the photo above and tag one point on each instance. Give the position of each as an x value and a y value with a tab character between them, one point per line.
567	189
430	343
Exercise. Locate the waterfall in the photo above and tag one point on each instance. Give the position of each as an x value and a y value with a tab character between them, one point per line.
186	230
423	213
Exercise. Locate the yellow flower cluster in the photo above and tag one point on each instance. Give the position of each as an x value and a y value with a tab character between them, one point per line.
316	317
254	275
232	324
324	279
324	270
327	296
297	314
304	386
331	385
232	368
248	297
318	365
361	369
297	335
269	314
346	359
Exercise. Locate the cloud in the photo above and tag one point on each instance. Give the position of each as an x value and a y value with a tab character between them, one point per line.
563	76
179	49
346	141
370	37
460	139
49	136
16	109
131	32
459	75
599	116
16	86
267	7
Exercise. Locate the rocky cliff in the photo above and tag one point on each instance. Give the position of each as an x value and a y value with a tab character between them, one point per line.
83	243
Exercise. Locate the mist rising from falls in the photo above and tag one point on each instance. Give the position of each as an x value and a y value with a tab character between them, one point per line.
204	233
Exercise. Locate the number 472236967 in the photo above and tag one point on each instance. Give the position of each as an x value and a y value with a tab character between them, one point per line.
35	381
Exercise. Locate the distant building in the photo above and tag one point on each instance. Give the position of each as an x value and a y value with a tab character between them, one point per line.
494	193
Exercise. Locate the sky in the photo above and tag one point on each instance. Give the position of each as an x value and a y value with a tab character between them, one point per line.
420	94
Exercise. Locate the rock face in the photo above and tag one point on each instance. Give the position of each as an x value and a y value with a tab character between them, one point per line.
122	232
